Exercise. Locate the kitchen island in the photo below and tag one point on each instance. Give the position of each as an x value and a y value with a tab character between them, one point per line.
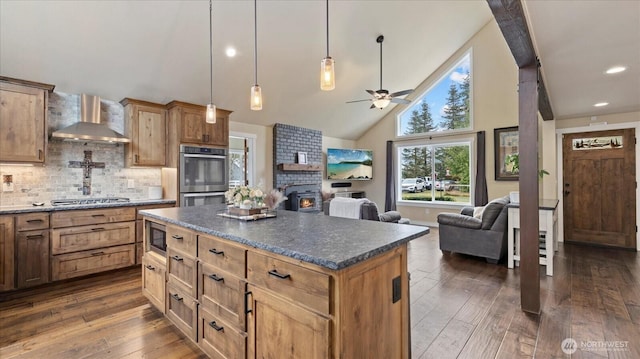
296	286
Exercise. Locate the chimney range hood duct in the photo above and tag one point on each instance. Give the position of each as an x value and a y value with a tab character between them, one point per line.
89	128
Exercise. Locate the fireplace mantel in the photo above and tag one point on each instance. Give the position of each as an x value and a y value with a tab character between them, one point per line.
299	167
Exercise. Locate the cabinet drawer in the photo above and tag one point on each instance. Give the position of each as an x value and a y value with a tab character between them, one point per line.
182	239
182	271
300	285
219	340
222	254
222	294
73	239
154	281
87	262
182	310
92	216
32	221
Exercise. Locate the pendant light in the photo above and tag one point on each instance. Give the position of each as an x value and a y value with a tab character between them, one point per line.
327	68
211	108
256	91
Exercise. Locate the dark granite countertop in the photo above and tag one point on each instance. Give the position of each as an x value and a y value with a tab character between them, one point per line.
47	207
330	242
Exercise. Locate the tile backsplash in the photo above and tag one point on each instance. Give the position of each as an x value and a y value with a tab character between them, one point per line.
56	180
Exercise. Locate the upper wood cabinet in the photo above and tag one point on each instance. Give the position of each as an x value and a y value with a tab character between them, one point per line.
145	124
188	120
23	125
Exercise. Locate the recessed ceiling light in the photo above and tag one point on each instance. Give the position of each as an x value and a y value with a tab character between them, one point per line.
615	70
600	104
230	51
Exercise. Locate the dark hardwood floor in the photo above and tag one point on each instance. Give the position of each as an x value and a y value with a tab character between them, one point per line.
461	307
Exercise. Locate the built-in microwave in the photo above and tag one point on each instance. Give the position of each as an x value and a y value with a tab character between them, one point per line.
156	237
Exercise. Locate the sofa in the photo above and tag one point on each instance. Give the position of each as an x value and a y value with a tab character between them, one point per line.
476	231
369	211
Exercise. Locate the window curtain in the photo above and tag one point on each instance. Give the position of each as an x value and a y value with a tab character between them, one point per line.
390	196
481	196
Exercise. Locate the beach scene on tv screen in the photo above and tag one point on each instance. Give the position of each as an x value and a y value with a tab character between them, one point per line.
349	164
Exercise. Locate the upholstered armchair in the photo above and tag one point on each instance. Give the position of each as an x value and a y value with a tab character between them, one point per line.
479	231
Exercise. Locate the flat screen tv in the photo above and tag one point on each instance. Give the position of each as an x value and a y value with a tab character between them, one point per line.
349	164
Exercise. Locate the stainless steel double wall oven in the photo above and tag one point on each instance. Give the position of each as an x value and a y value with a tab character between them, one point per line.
204	175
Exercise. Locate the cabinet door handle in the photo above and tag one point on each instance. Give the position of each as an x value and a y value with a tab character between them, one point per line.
97	229
246	303
177	258
135	158
177	237
176	297
97	253
216	278
97	215
275	273
216	252
215	326
35	221
39	154
150	267
34	236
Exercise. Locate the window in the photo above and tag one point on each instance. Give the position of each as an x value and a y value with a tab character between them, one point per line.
435	173
241	159
444	107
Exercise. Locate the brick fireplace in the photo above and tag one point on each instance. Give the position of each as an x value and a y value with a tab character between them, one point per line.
304	185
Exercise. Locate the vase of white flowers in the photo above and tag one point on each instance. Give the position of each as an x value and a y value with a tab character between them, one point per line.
245	197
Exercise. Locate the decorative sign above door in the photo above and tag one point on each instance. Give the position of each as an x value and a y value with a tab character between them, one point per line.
597	143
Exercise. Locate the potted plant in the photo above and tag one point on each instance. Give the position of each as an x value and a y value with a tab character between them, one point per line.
512	162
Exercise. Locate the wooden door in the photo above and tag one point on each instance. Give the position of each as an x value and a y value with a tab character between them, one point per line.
22	128
32	258
192	125
599	184
6	253
279	329
151	139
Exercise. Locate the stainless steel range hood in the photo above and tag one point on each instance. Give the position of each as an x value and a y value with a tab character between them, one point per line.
90	128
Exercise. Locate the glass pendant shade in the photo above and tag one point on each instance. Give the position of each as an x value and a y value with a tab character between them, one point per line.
211	113
327	74
381	103
256	98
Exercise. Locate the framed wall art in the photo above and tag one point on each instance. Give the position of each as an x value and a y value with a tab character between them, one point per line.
507	160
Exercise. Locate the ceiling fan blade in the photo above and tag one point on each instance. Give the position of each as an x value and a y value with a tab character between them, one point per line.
400	100
371	92
358	101
401	93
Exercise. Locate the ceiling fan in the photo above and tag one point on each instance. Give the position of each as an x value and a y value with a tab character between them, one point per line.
382	98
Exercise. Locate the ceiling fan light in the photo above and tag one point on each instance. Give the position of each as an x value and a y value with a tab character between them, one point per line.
256	98
211	113
381	103
327	74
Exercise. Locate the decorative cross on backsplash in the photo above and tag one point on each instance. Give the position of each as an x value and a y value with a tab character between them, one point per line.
86	166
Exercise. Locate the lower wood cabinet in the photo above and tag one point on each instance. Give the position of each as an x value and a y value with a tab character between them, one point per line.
154	281
182	271
77	264
182	310
7	250
32	257
279	329
219	339
222	294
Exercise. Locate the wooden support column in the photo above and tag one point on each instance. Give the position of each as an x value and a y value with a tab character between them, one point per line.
528	149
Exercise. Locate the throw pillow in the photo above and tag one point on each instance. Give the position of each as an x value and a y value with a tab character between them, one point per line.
477	212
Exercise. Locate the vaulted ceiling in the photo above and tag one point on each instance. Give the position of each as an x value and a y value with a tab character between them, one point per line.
159	51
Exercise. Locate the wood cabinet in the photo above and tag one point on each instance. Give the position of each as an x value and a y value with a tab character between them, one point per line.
91	241
154	280
7	253
252	303
23	128
32	249
188	122
145	124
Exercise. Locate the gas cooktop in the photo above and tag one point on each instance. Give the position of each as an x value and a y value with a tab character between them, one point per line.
68	202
